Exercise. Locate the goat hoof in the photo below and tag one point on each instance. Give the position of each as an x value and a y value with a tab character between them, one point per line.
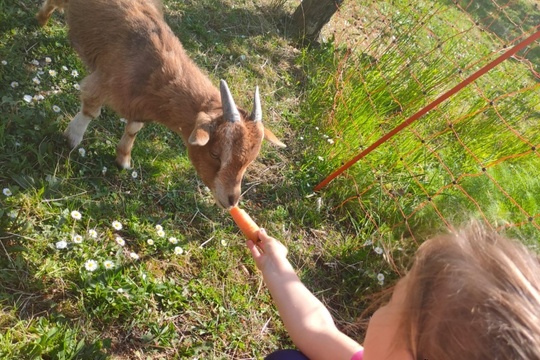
73	140
123	162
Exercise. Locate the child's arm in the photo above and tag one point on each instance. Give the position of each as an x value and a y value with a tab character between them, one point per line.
306	319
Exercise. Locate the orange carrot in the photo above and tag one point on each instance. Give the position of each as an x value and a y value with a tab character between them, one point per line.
245	223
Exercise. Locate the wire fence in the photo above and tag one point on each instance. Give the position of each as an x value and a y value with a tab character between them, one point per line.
474	155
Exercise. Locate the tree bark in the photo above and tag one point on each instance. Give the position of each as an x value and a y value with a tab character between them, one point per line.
310	16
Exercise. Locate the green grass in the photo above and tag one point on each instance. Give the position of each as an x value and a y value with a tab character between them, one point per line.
209	301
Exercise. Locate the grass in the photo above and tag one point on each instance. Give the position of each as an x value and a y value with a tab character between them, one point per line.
200	296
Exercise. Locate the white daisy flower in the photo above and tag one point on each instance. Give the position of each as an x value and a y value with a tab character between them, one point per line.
64	67
91	265
380	277
77	86
120	241
173	240
36	81
320	158
48	60
161	233
53	73
224	242
74	73
76	215
62	244
378	250
178	250
82	152
38	97
92	233
117	225
14	84
159	228
104	170
108	264
330	141
34	62
4	62
134	256
56	108
7	192
134	174
150	242
27	98
77	239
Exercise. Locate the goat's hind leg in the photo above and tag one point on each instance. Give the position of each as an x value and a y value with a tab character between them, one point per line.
47	8
91	101
123	150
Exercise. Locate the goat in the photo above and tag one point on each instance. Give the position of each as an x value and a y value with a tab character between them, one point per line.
139	68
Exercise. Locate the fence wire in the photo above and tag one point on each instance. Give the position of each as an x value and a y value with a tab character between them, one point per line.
475	155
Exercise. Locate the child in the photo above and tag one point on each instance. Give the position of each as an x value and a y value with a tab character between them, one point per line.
470	294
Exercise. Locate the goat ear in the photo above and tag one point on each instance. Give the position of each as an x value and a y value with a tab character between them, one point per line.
269	135
201	132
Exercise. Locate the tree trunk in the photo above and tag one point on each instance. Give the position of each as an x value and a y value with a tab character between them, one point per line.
310	16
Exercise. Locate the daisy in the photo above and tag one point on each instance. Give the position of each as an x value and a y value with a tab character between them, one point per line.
52	73
77	239
134	174
4	62
92	233
27	98
7	192
34	62
134	256
159	228
380	277
74	73
36	81
82	152
108	264
117	225
378	250
91	265
77	86
161	233
62	244
14	84
48	60
38	97
56	108
104	170
76	215
178	250
64	67
173	240
120	241
224	242
150	242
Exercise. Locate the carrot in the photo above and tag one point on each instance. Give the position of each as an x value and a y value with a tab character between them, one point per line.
245	223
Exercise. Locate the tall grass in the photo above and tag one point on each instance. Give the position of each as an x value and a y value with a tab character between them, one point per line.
471	157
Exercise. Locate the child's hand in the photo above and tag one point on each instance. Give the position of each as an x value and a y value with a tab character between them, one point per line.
269	254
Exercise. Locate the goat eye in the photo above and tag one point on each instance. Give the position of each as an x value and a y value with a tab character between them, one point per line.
214	156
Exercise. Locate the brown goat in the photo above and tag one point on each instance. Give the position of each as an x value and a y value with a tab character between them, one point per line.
138	67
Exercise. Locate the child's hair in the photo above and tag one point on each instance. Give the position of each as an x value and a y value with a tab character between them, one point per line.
473	294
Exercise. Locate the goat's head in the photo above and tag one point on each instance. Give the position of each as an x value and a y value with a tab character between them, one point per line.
222	146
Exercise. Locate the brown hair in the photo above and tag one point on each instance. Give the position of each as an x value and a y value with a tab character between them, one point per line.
473	294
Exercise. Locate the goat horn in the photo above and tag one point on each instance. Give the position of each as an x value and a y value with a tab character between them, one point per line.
256	114
230	112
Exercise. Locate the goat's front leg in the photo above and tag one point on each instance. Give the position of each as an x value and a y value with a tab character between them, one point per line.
90	108
123	150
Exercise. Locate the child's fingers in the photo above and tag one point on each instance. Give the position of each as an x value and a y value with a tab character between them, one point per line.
254	249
